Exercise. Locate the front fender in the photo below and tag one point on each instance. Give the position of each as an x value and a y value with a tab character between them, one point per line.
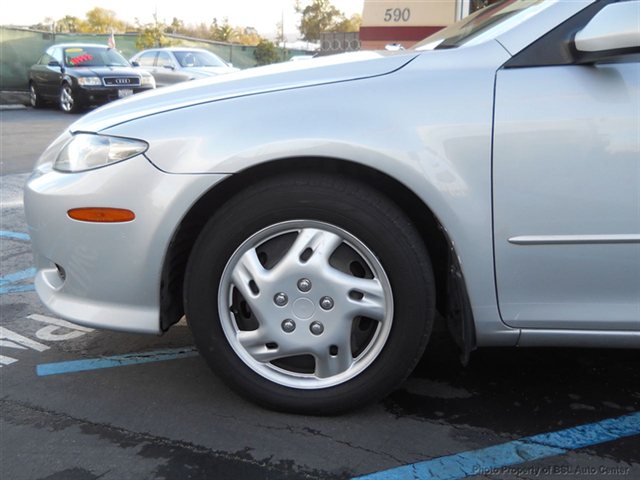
428	126
68	79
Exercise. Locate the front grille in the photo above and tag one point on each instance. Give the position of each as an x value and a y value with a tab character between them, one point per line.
122	81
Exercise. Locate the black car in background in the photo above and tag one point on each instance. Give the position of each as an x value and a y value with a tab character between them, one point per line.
78	75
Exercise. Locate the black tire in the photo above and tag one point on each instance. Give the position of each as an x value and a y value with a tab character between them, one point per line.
34	96
325	202
67	99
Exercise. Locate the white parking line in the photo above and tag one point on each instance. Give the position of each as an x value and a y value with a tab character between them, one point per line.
48	333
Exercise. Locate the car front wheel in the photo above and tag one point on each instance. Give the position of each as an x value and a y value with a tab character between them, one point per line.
312	294
68	101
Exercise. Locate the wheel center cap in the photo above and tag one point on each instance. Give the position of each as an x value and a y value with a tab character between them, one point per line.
303	308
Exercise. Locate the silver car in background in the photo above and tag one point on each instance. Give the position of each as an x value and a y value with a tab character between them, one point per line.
310	218
176	64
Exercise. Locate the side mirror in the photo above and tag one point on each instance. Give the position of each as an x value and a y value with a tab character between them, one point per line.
613	31
135	64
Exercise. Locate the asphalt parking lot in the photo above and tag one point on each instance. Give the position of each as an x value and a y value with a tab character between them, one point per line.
80	404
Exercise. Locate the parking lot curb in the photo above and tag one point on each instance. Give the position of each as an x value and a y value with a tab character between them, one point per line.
13	99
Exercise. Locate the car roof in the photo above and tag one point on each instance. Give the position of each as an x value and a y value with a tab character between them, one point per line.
175	49
67	45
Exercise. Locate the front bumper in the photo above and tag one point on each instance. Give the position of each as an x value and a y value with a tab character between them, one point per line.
111	271
102	95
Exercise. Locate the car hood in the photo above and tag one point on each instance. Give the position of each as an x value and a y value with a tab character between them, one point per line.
282	76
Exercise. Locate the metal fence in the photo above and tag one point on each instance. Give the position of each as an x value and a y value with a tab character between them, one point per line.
21	48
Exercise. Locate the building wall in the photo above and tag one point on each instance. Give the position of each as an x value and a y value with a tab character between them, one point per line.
404	21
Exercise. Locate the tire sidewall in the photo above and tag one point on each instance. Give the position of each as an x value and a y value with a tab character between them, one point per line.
360	211
37	102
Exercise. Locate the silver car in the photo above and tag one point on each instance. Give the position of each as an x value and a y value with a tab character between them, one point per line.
174	65
310	218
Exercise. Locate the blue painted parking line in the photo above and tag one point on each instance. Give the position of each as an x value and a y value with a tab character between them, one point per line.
17	276
114	361
17	289
7	283
14	235
487	460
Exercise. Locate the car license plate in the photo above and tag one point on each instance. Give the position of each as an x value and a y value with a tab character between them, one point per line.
125	92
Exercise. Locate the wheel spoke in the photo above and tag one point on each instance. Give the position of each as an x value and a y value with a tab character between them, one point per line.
255	343
329	365
249	276
314	245
365	296
369	306
66	99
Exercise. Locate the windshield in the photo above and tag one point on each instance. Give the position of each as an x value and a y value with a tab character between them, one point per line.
487	22
194	58
93	57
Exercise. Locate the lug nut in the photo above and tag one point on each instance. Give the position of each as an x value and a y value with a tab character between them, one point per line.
304	284
326	303
288	325
316	328
280	299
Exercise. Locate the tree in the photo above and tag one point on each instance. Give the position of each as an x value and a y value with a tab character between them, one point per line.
318	17
265	53
247	36
46	25
152	35
478	4
222	33
177	26
280	36
70	24
101	20
351	24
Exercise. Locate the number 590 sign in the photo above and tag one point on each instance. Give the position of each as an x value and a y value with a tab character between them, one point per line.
397	14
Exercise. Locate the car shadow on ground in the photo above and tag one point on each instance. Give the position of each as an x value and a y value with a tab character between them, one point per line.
523	391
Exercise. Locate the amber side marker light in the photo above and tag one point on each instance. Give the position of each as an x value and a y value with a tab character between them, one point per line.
101	215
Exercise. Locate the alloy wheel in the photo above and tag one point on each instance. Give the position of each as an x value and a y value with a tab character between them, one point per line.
305	304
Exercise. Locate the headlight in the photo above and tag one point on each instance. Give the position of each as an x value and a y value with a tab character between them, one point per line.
89	81
148	80
88	151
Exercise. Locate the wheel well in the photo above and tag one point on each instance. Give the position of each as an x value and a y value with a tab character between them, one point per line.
452	301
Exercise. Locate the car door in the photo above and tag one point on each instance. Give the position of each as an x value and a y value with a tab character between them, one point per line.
166	73
52	74
566	172
38	72
147	61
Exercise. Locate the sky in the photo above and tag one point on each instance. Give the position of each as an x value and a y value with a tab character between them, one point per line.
260	14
